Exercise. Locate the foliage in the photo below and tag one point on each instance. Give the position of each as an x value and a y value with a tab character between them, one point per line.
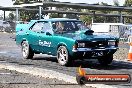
104	11
116	2
55	15
128	3
17	2
11	16
29	15
86	19
99	19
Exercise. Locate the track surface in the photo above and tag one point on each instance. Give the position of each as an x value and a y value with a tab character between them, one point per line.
11	53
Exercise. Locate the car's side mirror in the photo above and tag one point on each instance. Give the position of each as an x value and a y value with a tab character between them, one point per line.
47	33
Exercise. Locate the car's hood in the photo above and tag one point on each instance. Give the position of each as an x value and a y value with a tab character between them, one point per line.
80	35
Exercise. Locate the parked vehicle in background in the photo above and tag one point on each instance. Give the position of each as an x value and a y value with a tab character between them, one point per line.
4	25
19	22
114	29
68	39
128	30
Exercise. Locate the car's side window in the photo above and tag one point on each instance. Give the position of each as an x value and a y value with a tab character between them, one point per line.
47	28
37	27
58	27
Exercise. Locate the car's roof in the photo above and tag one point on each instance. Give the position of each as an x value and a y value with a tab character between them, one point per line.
58	19
54	19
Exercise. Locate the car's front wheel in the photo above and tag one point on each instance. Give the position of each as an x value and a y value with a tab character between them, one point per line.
63	56
27	51
106	60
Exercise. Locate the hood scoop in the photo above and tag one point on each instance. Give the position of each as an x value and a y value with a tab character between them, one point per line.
89	32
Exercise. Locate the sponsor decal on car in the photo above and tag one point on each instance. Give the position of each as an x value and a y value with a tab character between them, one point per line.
44	43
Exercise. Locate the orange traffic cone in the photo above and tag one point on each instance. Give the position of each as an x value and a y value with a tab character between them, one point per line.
130	50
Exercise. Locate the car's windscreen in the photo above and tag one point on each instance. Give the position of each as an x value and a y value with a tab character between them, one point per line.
68	26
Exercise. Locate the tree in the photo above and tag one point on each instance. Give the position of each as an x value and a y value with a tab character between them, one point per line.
86	18
55	15
1	17
104	11
116	2
128	3
11	16
29	15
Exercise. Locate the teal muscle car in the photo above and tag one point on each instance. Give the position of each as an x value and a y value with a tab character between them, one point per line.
68	39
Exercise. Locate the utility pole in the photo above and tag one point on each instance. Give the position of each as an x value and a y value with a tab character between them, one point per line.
40	12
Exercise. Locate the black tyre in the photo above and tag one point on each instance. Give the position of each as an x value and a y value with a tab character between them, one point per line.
63	56
27	51
106	60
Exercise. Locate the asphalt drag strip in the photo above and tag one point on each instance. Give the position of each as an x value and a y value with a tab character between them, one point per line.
14	79
47	67
46	74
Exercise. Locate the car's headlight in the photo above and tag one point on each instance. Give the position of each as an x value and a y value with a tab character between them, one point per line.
111	43
81	44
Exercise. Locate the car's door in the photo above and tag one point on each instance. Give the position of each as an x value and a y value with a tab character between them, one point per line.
34	36
45	41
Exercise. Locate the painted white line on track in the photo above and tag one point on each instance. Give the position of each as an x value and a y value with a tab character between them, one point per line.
5	73
3	52
46	74
125	60
100	86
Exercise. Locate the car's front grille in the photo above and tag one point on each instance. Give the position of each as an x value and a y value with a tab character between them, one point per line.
96	44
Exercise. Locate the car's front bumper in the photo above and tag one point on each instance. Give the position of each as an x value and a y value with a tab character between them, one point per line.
89	49
93	53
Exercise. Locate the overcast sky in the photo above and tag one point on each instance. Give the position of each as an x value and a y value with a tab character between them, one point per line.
6	3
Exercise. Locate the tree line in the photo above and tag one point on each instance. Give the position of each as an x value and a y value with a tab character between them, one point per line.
30	15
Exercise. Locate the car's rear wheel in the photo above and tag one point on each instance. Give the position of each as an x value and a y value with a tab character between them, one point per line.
63	56
106	60
27	51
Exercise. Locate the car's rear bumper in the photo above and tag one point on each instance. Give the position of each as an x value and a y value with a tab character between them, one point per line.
93	53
